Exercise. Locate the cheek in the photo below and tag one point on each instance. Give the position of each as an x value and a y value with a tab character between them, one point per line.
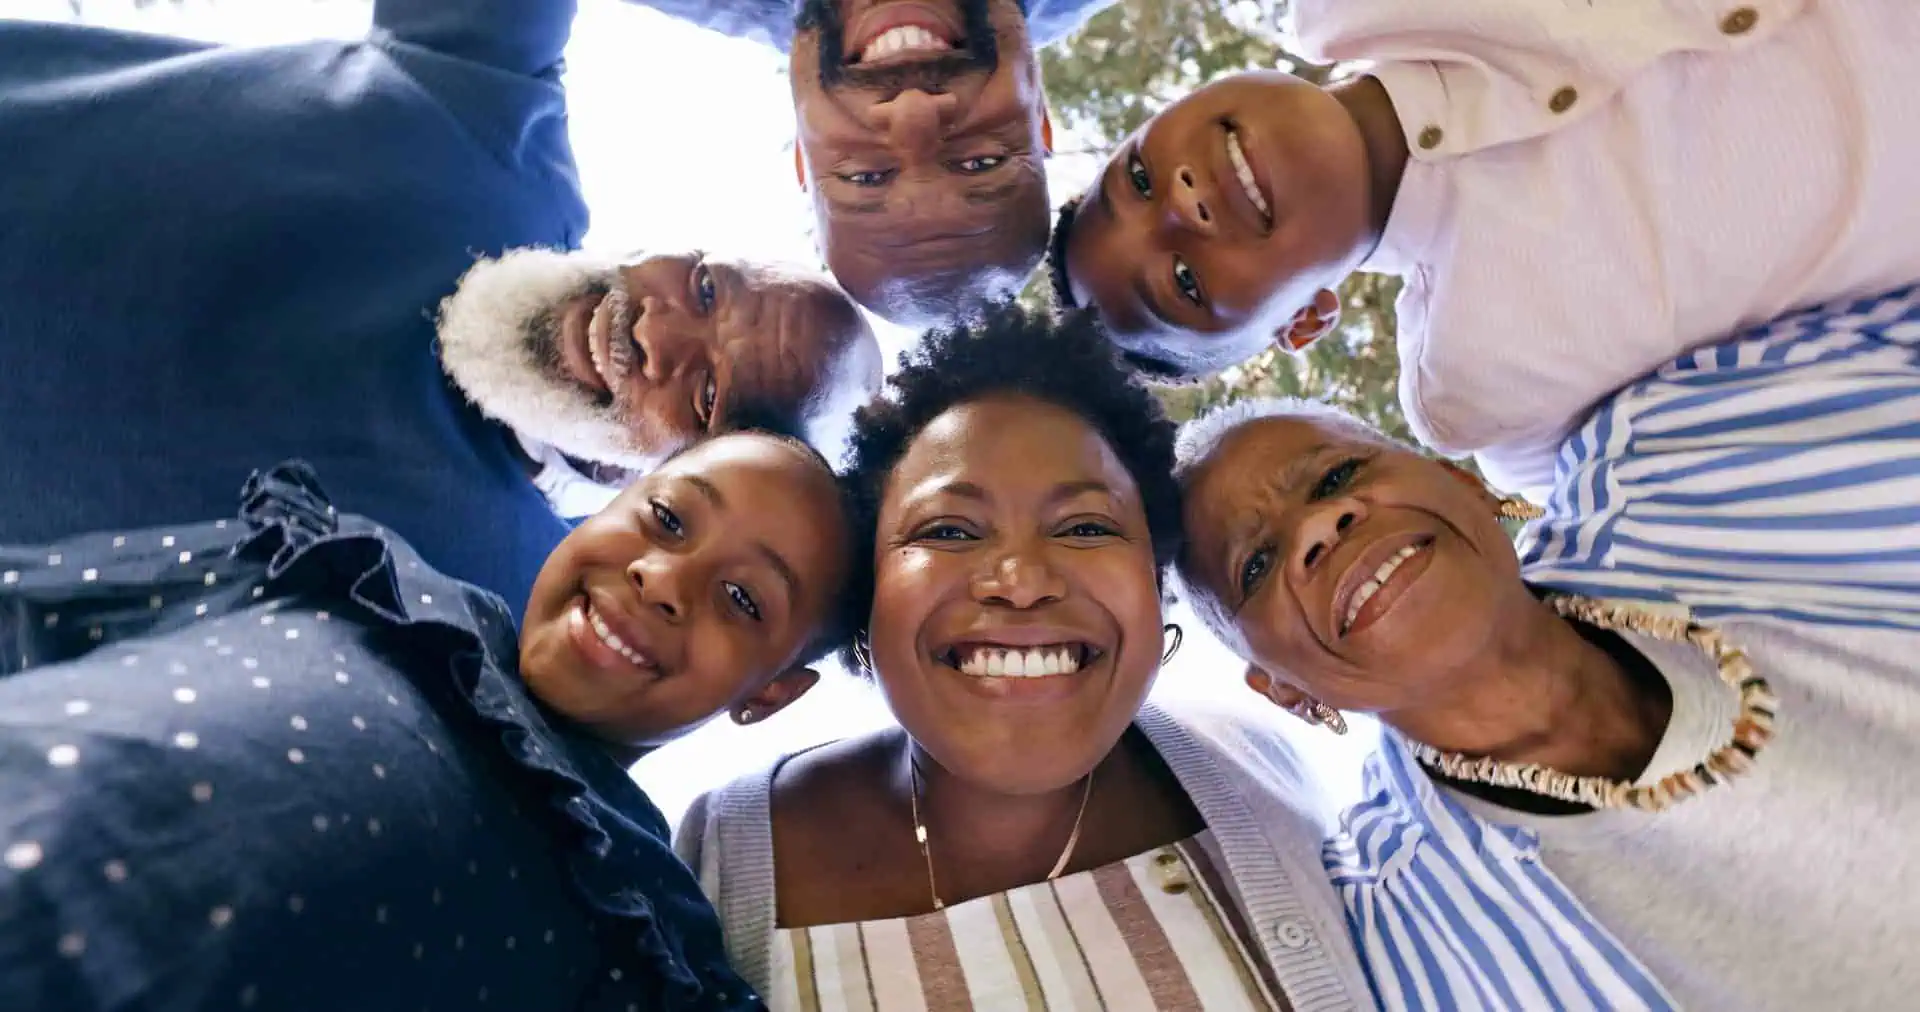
906	586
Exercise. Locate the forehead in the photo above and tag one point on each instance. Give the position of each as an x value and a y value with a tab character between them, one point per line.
1105	266
1254	460
1009	447
745	467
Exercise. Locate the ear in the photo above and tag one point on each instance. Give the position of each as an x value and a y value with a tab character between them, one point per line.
1279	693
1474	482
775	696
799	166
1046	130
1313	322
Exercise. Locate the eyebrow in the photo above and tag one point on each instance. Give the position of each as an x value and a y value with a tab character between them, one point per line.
1297	470
1103	202
1059	493
711	493
979	196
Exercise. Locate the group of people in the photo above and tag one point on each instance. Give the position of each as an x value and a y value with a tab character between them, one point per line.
318	692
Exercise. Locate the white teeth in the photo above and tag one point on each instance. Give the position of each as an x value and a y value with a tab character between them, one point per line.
1033	662
1374	583
614	642
905	39
1245	173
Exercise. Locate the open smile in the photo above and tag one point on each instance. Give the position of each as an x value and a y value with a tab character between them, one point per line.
609	341
1022	664
902	32
1257	207
1377	580
608	640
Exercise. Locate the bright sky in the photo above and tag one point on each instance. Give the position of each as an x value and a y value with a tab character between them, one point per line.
684	140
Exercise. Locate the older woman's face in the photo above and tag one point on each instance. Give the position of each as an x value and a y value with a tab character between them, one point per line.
1016	619
1353	570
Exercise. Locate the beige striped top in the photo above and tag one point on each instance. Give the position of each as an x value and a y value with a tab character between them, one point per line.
1157	932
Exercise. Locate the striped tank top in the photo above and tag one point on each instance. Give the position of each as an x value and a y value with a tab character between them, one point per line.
1158	932
1776	474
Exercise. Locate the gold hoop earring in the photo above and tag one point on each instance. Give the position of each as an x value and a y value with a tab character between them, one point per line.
1179	637
1516	508
1327	717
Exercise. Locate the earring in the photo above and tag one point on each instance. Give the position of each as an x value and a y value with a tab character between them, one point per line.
862	655
1516	508
745	716
1327	717
1179	637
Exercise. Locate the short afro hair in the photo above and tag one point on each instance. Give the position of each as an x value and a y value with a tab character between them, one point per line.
1156	368
1065	361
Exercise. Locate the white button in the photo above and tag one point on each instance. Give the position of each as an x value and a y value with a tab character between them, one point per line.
1291	935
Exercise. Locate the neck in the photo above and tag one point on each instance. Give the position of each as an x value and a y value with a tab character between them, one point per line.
969	824
1543	693
1366	100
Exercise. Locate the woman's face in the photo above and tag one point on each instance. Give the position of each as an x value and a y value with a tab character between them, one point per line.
1361	573
1016	623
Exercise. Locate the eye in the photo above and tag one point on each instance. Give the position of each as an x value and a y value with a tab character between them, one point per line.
865	177
743	600
1090	529
944	532
703	288
709	395
668	520
1187	282
1336	479
982	163
1137	175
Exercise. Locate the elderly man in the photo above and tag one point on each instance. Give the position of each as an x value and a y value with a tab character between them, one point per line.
922	138
283	759
217	258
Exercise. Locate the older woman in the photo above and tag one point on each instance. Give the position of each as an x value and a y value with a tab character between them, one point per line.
1031	835
1711	792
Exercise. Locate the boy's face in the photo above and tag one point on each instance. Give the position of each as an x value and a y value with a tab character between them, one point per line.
1222	217
691	594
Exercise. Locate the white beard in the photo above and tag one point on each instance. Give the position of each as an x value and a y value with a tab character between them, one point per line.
498	340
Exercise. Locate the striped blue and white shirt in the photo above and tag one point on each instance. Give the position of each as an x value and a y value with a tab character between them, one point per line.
1776	474
1773	476
1450	912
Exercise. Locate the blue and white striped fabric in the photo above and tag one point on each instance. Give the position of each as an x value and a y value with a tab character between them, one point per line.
1776	474
1449	912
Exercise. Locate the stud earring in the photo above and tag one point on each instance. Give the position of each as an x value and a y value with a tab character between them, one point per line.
1179	637
1327	717
745	716
1516	508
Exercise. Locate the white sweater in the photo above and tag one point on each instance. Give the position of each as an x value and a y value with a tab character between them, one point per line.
1256	795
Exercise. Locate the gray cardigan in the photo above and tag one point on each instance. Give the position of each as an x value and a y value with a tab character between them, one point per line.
1252	790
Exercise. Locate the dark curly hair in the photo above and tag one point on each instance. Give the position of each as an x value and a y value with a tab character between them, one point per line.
1065	361
1156	368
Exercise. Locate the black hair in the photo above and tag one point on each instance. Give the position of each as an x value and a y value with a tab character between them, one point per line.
1065	361
1155	367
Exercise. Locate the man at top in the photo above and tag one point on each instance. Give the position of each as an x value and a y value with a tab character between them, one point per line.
922	135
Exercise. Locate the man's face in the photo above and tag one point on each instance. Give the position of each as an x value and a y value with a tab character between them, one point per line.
622	363
922	134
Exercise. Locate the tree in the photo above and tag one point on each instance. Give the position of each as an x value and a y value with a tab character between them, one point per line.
1135	59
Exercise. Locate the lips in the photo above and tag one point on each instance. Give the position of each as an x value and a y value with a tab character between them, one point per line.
901	32
610	640
1375	581
609	341
1242	180
1030	652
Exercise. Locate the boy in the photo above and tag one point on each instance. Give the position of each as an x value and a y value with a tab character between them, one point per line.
1574	194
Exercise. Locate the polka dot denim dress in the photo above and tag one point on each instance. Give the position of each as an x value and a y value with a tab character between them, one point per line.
278	762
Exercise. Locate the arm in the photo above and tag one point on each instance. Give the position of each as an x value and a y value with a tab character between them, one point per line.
525	37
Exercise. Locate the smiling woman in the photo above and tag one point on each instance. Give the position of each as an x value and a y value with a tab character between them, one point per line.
1030	820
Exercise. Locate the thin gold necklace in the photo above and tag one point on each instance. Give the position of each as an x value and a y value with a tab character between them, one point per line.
926	848
1752	727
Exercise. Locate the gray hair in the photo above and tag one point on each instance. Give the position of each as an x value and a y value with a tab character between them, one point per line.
1200	438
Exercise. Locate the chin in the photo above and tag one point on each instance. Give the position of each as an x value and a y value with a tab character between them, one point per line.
497	343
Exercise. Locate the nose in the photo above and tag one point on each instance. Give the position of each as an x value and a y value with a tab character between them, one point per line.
1321	530
914	120
667	344
659	578
1018	578
1186	205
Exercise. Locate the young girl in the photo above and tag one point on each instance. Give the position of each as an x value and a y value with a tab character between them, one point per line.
1574	194
241	758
